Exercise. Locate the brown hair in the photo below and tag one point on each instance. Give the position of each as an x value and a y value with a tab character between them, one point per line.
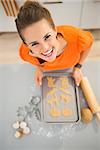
31	12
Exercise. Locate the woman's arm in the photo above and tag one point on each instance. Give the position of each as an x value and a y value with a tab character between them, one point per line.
38	76
84	55
77	74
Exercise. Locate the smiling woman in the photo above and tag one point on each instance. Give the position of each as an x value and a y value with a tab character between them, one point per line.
42	41
59	47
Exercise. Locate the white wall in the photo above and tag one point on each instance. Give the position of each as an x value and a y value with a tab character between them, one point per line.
82	13
6	23
91	14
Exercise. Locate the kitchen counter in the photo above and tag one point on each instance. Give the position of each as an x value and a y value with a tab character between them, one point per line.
17	86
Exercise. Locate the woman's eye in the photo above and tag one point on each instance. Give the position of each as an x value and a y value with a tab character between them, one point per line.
47	37
34	44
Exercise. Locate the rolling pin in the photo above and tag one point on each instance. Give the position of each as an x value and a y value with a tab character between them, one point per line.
90	97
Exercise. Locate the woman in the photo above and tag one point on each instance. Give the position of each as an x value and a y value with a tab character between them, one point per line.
51	47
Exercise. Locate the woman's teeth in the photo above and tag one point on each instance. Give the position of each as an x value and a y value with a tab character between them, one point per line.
48	52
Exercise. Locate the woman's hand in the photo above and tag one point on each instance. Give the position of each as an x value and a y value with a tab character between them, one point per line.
77	75
38	76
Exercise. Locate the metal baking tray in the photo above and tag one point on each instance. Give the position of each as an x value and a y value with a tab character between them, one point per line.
60	100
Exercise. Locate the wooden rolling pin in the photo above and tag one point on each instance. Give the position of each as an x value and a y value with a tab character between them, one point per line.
90	97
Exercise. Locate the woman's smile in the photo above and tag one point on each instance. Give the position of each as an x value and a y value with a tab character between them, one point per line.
49	55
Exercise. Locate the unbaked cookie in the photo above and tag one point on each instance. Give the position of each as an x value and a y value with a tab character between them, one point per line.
67	112
54	112
51	82
51	92
53	101
65	98
64	82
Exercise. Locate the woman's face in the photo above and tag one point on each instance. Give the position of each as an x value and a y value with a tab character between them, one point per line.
41	39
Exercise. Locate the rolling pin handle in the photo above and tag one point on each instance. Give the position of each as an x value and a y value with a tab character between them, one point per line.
98	115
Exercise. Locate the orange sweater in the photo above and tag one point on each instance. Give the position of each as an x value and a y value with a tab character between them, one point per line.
77	41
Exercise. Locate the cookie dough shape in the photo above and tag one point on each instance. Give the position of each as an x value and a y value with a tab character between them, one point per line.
64	91
67	112
65	98
51	92
53	101
64	82
54	112
51	82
